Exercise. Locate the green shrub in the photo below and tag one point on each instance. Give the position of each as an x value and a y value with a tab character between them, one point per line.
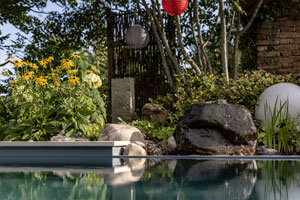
154	131
279	131
47	100
209	87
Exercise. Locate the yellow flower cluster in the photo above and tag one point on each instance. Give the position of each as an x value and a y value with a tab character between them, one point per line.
33	66
14	83
73	80
96	70
66	64
41	80
56	83
18	63
45	61
28	75
44	77
72	71
75	56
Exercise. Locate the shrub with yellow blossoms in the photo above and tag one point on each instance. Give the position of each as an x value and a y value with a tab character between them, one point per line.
54	100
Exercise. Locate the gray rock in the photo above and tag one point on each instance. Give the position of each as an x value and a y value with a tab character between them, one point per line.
60	138
262	150
154	113
155	149
133	149
120	132
139	143
216	129
171	145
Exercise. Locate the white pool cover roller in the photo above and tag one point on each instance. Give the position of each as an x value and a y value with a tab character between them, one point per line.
284	92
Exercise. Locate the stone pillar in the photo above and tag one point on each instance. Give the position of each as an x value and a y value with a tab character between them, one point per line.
122	99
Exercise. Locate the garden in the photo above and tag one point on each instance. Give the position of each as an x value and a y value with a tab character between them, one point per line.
57	81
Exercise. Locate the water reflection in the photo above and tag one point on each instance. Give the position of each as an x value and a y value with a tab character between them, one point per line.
156	179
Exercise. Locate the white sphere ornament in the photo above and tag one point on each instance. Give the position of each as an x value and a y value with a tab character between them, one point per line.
137	37
283	92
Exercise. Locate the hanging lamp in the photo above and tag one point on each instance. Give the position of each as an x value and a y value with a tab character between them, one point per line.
175	7
137	37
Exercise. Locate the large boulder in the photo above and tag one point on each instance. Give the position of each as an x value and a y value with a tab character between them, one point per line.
216	129
282	92
121	132
154	113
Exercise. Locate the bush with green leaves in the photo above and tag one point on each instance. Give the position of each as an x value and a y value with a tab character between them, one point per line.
47	100
209	87
280	129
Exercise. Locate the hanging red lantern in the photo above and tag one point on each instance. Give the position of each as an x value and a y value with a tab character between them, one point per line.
175	7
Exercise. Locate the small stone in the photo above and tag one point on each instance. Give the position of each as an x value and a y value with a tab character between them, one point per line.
262	150
133	149
121	132
156	148
154	113
139	143
60	138
171	145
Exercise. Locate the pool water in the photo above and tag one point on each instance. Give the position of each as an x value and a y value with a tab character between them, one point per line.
148	179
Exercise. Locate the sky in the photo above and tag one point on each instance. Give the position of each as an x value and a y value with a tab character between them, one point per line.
10	29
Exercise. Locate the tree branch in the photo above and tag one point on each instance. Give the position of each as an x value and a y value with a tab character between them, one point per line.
252	17
3	64
186	56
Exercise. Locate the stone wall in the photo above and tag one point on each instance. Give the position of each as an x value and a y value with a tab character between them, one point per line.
278	46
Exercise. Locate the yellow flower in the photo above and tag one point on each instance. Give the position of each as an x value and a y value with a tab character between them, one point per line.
55	70
9	58
50	59
104	95
75	56
18	63
89	71
14	83
65	64
57	81
41	80
4	73
96	70
73	80
28	75
33	66
72	71
56	87
43	62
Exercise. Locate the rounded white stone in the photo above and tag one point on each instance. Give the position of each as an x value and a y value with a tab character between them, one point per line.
284	92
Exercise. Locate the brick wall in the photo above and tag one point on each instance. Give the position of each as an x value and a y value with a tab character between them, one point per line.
278	46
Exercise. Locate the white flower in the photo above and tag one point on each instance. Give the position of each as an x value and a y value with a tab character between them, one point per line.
93	80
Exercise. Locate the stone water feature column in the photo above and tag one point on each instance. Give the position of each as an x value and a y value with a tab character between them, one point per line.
122	99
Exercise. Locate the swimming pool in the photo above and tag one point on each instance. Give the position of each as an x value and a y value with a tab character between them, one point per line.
142	178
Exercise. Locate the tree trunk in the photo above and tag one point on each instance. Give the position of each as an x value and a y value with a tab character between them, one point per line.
236	49
223	40
239	34
185	54
162	53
